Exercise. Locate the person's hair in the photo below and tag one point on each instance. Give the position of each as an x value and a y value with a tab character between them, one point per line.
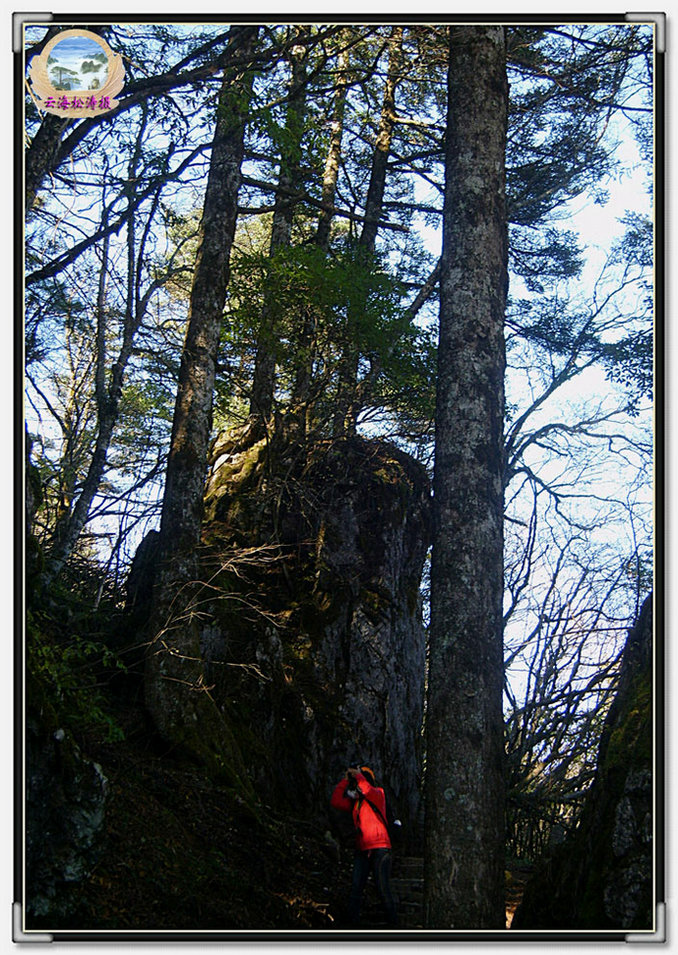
366	771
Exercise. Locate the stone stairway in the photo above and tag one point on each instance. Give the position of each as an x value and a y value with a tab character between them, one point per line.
407	883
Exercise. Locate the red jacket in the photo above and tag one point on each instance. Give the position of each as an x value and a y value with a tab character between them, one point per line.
371	832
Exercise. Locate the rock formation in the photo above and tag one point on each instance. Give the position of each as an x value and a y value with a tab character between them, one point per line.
601	877
310	613
313	630
65	803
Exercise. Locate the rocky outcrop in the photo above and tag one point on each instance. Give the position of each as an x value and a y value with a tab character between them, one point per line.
65	803
139	587
310	617
602	876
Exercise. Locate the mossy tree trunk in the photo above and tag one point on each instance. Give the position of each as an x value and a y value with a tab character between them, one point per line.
464	773
176	694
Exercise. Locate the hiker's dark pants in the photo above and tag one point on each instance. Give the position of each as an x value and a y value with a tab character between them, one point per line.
379	861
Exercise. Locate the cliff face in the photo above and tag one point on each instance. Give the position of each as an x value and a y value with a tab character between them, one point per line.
312	627
601	877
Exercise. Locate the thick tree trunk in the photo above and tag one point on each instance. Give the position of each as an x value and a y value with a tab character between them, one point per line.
175	691
464	774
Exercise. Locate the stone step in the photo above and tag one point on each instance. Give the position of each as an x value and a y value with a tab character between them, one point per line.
407	882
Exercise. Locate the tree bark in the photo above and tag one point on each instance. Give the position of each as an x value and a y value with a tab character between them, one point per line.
375	193
464	832
333	158
176	694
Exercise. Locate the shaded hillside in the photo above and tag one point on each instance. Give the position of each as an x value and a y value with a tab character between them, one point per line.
175	850
601	877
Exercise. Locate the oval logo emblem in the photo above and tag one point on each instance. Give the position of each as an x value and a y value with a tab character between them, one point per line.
77	74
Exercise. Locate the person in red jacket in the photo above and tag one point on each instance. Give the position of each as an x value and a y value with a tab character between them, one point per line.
358	794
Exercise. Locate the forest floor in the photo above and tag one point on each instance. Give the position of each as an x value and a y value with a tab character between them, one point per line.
182	853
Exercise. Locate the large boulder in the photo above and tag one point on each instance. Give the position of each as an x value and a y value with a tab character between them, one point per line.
311	625
602	875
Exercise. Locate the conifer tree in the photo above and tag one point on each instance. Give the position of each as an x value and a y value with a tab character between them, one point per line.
464	774
175	691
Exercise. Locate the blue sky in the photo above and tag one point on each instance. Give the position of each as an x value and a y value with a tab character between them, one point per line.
74	49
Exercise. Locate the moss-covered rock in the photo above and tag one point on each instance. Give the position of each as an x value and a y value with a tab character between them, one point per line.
312	630
309	633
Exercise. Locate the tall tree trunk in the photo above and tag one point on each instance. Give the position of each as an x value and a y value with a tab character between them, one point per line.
301	393
347	410
263	384
464	774
176	694
333	158
375	192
